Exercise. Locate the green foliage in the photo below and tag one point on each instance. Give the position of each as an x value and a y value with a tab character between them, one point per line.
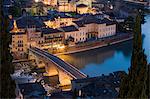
127	25
135	85
129	22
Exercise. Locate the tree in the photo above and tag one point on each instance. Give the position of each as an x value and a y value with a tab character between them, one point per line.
7	84
135	84
16	9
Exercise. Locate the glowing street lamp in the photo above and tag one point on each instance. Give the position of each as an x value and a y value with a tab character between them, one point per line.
36	0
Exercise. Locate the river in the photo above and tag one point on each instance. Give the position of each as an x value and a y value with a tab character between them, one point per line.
109	59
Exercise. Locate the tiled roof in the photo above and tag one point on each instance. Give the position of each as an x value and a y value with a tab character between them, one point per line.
92	19
45	18
100	91
81	5
87	19
69	28
108	22
29	21
63	15
32	89
50	30
79	23
18	33
69	14
117	74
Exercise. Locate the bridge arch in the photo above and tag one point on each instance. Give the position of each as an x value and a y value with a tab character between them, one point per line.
56	66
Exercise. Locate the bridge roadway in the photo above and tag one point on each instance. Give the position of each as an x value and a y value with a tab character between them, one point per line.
68	68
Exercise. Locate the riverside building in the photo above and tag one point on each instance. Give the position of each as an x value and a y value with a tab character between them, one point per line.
30	31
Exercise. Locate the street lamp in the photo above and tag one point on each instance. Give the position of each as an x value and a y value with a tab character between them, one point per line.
36	0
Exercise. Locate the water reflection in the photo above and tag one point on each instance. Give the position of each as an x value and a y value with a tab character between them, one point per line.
126	49
109	59
80	60
95	62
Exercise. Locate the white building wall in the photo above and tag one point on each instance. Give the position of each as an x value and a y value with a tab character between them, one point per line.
68	34
102	29
106	30
111	30
79	36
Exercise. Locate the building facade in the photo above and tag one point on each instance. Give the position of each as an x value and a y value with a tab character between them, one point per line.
19	41
33	33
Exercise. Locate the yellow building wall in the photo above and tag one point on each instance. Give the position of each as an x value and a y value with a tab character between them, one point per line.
50	2
82	10
16	38
67	7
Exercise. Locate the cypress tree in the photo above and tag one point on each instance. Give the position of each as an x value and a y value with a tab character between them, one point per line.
7	84
134	85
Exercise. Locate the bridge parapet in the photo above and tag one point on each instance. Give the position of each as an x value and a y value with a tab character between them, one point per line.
66	67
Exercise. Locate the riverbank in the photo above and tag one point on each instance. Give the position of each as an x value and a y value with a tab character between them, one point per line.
98	43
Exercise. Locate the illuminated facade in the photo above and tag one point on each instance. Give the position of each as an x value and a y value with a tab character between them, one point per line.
88	27
52	37
19	40
24	34
50	2
85	2
59	22
67	7
82	9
